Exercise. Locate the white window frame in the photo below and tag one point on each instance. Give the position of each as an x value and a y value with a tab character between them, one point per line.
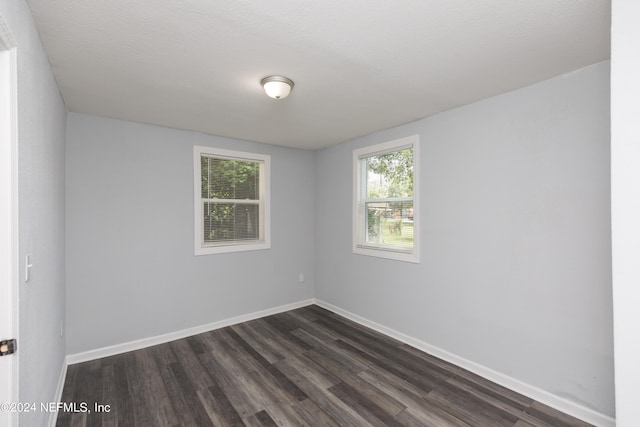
360	246
264	240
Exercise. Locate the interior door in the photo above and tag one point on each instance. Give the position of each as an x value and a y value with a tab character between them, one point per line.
8	225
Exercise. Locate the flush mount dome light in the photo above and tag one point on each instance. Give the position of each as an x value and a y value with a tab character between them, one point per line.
277	87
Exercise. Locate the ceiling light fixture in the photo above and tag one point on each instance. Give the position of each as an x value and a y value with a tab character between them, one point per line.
277	87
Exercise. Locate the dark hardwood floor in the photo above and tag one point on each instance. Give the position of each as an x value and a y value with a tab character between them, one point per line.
305	367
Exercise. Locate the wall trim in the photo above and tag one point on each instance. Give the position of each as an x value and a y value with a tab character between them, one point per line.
53	417
586	414
112	350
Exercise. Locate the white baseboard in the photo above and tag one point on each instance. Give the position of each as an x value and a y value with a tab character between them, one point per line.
161	339
53	417
586	414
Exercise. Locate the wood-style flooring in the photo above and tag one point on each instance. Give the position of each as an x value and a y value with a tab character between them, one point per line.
305	367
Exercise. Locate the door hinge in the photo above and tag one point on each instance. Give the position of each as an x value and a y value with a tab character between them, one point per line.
8	347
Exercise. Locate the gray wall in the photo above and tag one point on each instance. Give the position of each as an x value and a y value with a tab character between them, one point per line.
41	133
131	269
516	270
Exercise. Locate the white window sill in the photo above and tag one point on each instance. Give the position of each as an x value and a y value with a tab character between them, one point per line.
387	253
232	247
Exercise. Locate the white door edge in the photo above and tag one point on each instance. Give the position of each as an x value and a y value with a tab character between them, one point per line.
8	223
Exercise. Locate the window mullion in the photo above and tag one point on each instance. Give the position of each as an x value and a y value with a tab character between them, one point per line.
233	201
389	200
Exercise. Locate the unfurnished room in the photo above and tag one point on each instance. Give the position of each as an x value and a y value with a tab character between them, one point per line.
296	213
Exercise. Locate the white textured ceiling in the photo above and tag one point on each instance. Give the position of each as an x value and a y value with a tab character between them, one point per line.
358	66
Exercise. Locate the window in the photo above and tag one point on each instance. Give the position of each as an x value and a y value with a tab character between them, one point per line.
231	193
385	212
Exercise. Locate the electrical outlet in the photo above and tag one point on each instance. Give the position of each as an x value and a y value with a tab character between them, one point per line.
301	278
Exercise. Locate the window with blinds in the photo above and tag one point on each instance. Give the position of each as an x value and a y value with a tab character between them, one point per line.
231	197
385	222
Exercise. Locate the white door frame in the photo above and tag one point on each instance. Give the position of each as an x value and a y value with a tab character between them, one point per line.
8	220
